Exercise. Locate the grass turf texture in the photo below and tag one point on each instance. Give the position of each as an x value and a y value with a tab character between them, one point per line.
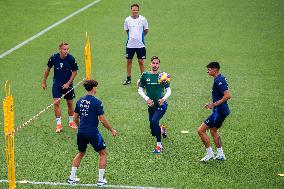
246	36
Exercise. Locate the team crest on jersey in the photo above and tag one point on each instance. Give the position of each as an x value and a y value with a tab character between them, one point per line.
148	79
61	64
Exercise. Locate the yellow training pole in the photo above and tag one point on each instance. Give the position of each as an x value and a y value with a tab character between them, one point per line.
88	58
8	110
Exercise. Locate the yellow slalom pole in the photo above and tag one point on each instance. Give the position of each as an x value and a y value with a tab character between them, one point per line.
8	110
88	57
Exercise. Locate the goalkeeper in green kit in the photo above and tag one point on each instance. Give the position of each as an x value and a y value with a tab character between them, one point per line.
156	99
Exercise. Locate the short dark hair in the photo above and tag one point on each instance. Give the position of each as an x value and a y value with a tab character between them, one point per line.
215	65
62	43
134	5
89	84
155	57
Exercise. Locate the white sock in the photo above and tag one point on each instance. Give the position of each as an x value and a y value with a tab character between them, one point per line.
71	119
73	173
220	151
210	151
101	174
159	144
58	120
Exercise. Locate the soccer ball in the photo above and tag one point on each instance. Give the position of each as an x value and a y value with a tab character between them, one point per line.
164	77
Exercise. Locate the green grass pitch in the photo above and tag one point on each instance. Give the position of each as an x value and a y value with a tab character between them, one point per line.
247	37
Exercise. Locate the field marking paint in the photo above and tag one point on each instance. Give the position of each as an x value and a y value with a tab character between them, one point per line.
48	28
86	185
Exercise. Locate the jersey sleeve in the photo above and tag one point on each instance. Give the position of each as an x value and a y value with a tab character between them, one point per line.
50	62
74	66
77	110
142	81
145	24
100	108
126	25
222	85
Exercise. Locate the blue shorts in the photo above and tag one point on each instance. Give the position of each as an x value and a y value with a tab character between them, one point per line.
94	139
215	120
57	92
140	52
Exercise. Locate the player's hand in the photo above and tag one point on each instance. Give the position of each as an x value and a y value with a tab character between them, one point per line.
113	132
161	101
65	86
150	102
43	85
209	105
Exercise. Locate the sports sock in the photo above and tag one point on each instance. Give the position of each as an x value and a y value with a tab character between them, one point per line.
210	151
129	78
220	151
73	173
101	174
159	144
71	119
58	120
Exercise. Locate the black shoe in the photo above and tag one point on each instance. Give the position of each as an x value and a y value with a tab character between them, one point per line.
126	82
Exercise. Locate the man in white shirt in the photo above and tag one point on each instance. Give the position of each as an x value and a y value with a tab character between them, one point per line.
136	27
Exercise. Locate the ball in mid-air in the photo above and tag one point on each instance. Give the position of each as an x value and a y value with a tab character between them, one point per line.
164	77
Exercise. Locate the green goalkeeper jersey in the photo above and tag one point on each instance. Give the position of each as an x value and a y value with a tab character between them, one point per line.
154	90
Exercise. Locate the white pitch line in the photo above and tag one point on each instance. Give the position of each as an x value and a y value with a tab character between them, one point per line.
86	185
47	29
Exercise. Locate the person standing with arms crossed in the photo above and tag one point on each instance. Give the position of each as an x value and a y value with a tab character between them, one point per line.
155	99
136	27
65	71
88	112
220	110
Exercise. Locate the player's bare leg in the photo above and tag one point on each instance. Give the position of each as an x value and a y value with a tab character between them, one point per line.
75	164
102	165
206	141
77	160
71	113
141	65
57	113
202	134
128	70
218	143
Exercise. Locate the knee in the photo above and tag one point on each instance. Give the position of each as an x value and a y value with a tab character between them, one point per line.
214	133
103	153
141	62
200	131
56	104
81	154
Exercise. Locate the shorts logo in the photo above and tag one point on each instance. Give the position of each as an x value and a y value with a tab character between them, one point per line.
143	57
126	55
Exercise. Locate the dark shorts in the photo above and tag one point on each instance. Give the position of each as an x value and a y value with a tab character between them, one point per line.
95	140
215	120
140	52
57	92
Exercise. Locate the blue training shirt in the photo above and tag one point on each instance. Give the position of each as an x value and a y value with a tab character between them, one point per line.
89	108
220	85
62	68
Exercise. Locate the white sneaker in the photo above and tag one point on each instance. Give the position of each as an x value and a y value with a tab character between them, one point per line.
101	183
220	157
73	181
207	158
